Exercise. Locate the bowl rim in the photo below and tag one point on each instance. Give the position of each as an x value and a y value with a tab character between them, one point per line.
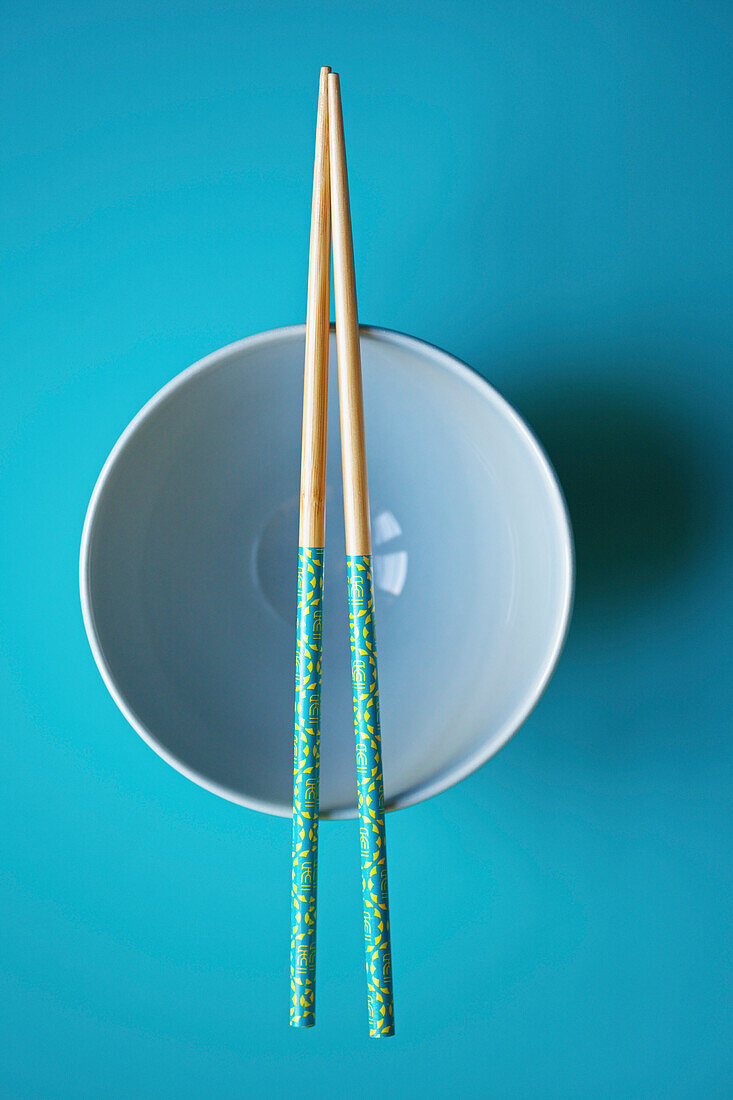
449	776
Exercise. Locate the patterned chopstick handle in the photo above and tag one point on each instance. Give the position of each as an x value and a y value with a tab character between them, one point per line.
371	796
306	753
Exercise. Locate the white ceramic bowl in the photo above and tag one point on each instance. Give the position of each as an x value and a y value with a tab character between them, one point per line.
189	563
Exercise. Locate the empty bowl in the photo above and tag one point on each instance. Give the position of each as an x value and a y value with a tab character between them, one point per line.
189	571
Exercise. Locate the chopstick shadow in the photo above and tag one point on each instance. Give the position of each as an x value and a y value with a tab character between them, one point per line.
634	471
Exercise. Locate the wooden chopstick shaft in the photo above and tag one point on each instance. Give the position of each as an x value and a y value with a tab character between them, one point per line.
315	377
351	406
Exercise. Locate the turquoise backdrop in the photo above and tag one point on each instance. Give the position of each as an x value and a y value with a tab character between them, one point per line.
543	189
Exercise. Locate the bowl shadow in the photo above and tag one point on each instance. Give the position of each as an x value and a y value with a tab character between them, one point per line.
633	470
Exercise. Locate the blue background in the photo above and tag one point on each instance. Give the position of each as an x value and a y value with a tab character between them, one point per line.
545	190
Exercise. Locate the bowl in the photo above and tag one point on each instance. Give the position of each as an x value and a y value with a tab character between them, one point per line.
189	564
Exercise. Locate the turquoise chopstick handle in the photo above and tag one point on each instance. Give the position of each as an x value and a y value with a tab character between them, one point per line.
306	752
371	796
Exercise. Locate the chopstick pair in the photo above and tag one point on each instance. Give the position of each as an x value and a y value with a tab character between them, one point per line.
331	203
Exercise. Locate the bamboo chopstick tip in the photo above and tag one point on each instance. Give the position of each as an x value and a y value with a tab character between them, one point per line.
333	91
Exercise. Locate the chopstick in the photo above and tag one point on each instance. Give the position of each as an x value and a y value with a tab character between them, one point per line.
361	600
310	590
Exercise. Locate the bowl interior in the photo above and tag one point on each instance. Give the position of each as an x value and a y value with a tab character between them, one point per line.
189	565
